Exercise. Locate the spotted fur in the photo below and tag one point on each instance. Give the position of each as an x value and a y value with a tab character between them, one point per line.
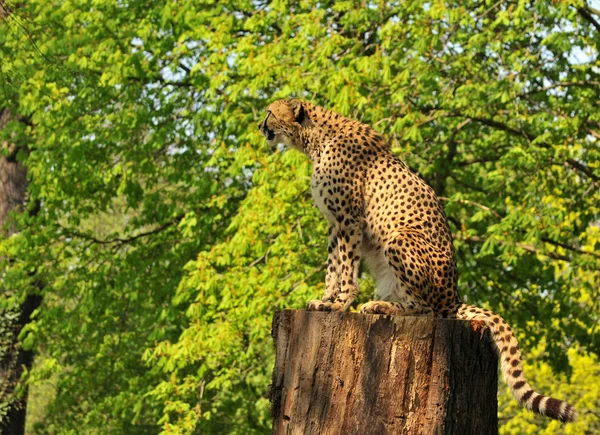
380	211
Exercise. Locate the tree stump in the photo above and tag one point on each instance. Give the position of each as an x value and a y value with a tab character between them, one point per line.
348	373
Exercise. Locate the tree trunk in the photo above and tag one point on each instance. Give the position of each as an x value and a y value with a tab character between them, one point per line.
347	373
13	179
13	189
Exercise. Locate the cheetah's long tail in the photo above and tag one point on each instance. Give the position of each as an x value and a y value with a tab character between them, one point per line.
512	367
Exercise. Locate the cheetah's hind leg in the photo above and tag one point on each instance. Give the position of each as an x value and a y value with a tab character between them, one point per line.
396	309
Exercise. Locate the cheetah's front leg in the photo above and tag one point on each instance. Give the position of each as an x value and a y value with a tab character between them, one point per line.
342	268
332	283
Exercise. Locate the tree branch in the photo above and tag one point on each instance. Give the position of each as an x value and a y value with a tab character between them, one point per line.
501	126
586	14
594	133
554	255
587	171
569	247
526	247
582	84
119	240
476	204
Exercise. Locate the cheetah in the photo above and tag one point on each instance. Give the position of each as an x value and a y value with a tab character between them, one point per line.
380	211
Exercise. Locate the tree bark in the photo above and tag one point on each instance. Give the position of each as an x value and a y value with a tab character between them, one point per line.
347	373
13	190
13	178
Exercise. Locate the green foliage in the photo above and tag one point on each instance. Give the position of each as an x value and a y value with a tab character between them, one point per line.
168	234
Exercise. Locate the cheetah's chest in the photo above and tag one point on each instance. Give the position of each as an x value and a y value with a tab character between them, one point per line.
321	190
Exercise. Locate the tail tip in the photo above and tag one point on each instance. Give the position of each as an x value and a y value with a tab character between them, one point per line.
559	410
570	414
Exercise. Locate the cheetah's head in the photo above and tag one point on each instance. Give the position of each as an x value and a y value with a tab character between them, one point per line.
283	123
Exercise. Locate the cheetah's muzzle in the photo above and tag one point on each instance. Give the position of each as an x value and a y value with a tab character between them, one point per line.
269	134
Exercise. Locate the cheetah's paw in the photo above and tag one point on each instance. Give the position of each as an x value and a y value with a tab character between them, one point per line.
319	305
378	307
326	305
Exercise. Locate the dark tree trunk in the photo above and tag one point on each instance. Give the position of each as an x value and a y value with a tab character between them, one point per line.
346	373
13	178
13	189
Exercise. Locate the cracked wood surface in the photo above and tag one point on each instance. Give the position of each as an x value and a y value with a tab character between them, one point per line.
348	373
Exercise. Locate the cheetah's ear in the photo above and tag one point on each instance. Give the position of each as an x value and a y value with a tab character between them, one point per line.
298	108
